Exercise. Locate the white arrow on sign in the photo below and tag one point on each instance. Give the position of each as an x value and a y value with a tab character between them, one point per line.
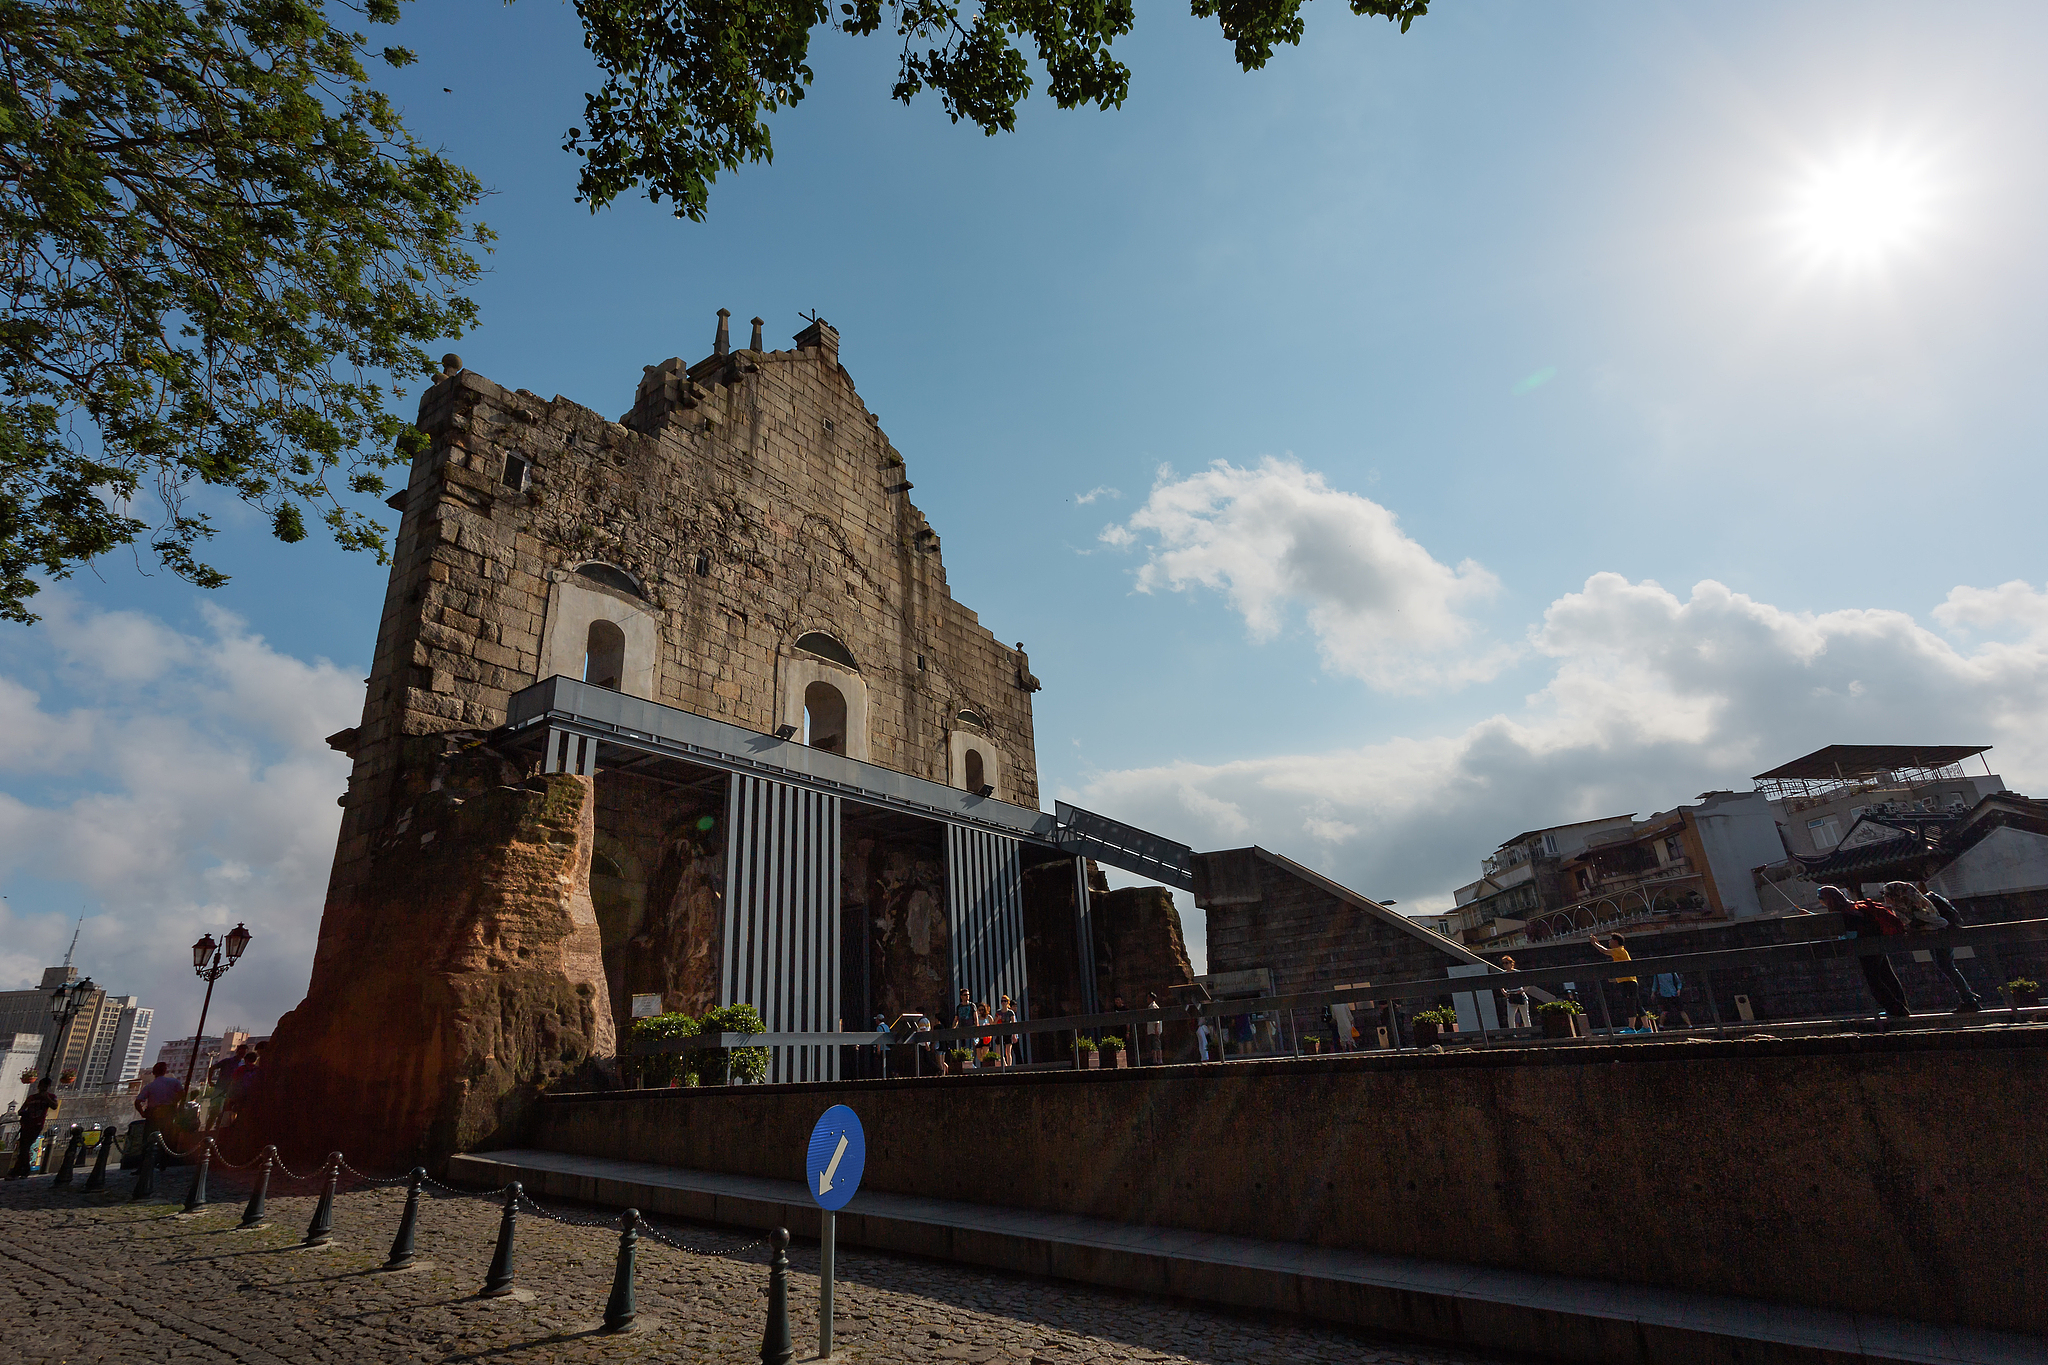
825	1177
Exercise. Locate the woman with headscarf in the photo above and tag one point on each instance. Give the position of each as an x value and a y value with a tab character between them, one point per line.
1869	919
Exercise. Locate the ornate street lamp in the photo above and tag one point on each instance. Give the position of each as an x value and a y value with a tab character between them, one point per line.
211	961
65	1003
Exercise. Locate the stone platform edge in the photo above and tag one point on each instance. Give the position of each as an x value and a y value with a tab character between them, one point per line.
1544	1316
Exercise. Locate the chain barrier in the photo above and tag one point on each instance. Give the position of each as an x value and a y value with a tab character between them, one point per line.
644	1228
374	1179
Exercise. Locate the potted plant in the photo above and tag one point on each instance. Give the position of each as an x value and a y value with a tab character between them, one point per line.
1430	1023
1558	1017
67	1076
2025	993
1114	1047
28	1077
961	1061
1084	1054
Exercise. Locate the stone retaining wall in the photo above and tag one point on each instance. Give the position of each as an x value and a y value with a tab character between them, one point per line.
1893	1174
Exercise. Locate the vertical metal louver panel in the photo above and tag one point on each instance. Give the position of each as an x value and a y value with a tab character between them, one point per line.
985	915
782	917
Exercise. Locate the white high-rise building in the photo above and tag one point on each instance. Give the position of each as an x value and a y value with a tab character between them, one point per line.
131	1041
100	1050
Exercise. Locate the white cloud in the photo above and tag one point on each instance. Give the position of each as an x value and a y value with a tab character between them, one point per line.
1651	700
180	786
1099	491
1277	537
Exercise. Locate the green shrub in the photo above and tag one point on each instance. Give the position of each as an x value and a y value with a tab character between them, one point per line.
749	1064
2021	983
1443	1016
959	1055
1112	1043
1084	1044
669	1066
1560	1007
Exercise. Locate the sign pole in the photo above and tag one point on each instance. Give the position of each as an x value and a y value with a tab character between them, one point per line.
825	1230
833	1163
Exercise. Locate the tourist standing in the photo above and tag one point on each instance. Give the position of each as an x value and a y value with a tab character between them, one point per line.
1631	989
35	1113
1871	919
1945	958
1516	998
1007	1014
1202	1038
1155	1030
157	1102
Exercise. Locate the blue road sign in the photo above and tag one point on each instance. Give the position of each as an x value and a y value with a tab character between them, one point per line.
838	1153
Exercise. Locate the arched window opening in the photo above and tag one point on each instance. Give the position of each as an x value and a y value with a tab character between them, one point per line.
604	655
602	866
825	717
972	768
825	647
610	577
973	718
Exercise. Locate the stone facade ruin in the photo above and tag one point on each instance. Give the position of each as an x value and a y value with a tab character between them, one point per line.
740	545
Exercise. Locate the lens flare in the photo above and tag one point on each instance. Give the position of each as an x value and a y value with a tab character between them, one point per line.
1863	208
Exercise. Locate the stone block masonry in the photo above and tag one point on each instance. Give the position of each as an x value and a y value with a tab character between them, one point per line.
741	544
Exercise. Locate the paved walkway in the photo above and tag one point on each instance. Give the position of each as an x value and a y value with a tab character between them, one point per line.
94	1278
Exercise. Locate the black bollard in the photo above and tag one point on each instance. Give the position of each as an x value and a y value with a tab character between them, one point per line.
145	1174
776	1347
98	1179
320	1231
195	1197
66	1161
401	1245
619	1313
498	1280
252	1214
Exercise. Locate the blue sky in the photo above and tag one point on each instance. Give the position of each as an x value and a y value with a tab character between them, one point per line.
1508	332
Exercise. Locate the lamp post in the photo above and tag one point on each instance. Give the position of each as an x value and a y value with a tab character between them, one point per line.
211	961
65	1003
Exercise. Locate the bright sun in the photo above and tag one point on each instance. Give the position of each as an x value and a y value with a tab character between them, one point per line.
1861	209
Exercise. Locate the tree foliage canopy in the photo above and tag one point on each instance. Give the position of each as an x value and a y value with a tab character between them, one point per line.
216	240
688	82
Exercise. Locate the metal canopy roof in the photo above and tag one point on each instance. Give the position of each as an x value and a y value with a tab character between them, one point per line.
1849	761
626	726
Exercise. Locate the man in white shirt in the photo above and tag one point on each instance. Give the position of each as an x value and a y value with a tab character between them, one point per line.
157	1101
1202	1039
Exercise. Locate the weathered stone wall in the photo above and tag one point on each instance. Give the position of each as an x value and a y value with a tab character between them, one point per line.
742	503
1138	945
468	976
894	887
1893	1174
657	881
1261	915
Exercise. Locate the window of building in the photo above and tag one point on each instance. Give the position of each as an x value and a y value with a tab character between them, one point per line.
973	718
973	771
604	655
825	717
1550	845
1674	848
825	647
515	473
611	577
1826	833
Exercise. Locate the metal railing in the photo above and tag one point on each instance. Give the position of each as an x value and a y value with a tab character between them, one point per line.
1429	988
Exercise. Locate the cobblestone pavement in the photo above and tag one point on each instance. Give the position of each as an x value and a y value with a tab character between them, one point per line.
92	1278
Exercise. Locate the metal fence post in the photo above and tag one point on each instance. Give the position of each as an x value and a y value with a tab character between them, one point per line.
195	1197
619	1312
498	1280
776	1346
71	1147
401	1245
320	1231
98	1179
259	1193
